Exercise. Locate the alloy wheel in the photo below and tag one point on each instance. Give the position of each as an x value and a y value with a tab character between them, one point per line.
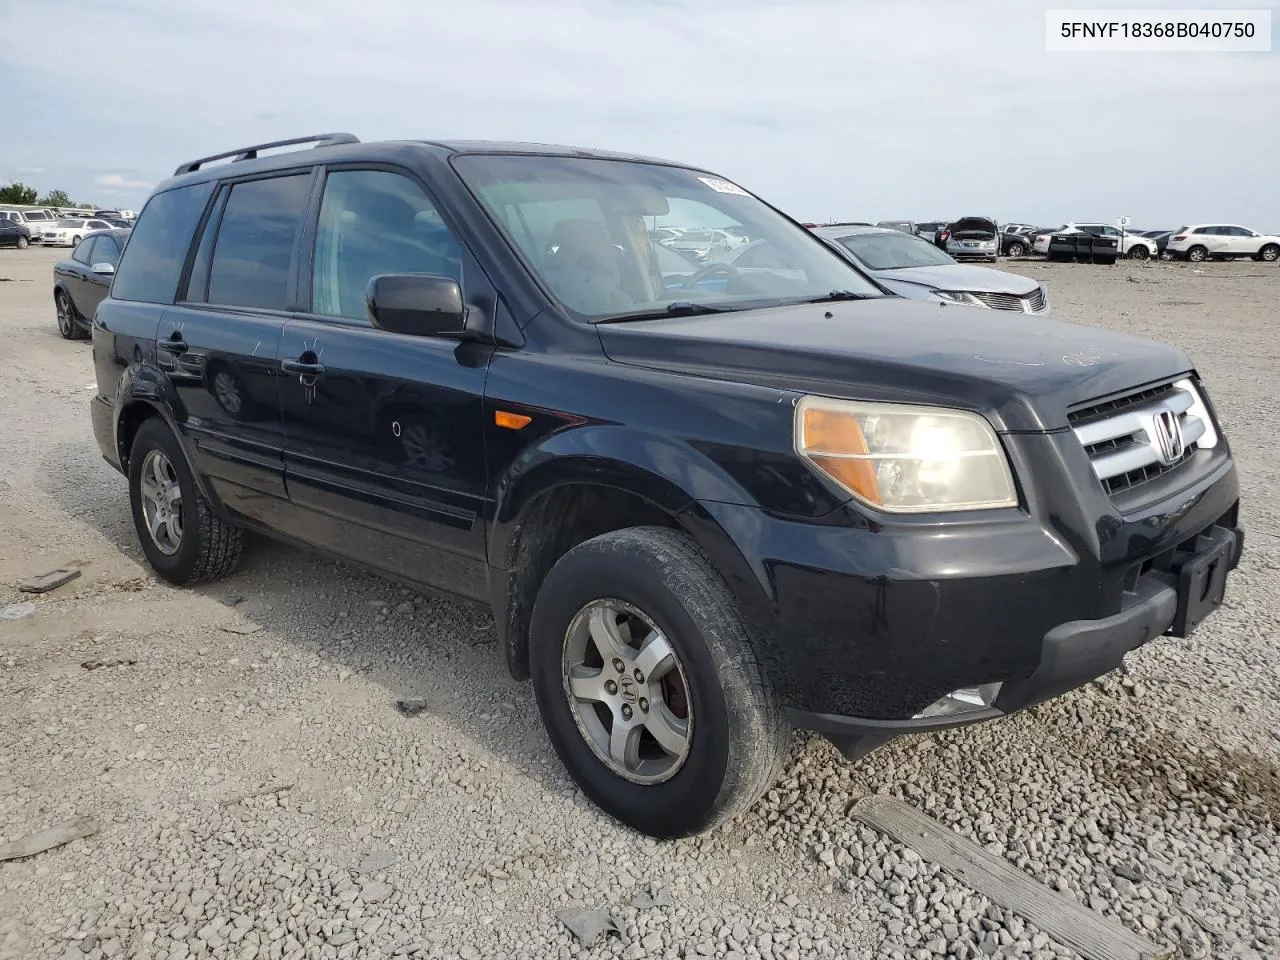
627	692
64	314
162	502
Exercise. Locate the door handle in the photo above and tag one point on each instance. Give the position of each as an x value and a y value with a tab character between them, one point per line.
302	369
172	346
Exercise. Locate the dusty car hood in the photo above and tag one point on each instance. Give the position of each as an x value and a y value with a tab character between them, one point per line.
1022	370
958	276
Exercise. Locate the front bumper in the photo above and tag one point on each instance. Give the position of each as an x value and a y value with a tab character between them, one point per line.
1170	602
864	623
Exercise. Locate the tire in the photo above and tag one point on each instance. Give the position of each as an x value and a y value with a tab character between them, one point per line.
206	547
1270	253
1166	256
1017	250
23	243
1197	254
734	738
68	322
1139	251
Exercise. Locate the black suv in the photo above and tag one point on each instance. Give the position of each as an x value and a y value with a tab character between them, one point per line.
706	506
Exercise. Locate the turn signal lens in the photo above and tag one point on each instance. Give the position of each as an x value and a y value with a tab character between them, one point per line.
512	421
906	459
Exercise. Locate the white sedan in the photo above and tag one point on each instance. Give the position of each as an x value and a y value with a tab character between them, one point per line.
67	233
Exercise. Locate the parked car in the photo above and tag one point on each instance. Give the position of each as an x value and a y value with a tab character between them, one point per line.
81	281
973	238
14	234
36	221
1131	245
904	226
1161	239
1222	241
702	517
912	267
1016	240
1019	228
1083	247
705	245
68	233
929	230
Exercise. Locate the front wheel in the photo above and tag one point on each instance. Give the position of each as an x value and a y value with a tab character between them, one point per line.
1139	252
67	324
649	686
1166	255
1017	250
182	538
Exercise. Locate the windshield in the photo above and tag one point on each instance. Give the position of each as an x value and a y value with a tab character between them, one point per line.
590	228
894	251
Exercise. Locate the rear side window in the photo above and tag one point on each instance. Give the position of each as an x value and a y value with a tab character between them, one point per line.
253	252
158	245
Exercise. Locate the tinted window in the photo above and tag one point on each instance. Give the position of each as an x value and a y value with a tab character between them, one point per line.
99	225
84	250
254	248
372	222
105	250
158	245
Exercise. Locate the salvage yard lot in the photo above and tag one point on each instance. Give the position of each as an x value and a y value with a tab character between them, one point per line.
307	761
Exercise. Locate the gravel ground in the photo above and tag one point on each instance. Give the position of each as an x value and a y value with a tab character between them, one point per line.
262	795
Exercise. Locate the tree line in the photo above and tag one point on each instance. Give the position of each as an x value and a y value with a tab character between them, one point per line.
24	195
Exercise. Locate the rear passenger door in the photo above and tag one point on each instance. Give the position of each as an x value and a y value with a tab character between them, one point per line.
219	344
383	431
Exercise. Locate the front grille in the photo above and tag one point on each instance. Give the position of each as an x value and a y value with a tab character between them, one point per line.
1122	435
1031	303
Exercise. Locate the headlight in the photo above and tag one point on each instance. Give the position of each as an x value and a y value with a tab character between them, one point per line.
958	296
904	459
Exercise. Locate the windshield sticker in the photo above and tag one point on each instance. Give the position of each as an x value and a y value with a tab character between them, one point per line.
724	186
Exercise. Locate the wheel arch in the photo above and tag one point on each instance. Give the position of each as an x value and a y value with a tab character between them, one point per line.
551	508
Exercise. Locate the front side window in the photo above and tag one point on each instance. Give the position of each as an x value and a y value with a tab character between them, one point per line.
253	252
587	228
894	251
105	250
375	222
84	251
158	245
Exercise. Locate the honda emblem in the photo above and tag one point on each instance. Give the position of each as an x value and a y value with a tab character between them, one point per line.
1168	436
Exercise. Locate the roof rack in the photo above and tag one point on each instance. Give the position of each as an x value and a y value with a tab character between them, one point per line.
251	153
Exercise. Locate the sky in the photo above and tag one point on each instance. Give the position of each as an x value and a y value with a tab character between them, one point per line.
850	110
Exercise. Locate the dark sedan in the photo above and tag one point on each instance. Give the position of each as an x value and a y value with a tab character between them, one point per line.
14	234
82	281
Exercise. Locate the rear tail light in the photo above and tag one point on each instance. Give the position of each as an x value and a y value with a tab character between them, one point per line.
1181	236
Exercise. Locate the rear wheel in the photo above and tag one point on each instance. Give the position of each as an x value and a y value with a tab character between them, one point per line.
1270	253
648	684
1197	254
22	243
183	540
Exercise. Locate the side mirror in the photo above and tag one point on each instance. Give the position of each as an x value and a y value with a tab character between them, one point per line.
417	304
105	269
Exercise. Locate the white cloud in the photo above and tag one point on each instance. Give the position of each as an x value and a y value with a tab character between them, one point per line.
858	109
118	181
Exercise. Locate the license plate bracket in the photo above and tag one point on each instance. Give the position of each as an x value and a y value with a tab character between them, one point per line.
1202	581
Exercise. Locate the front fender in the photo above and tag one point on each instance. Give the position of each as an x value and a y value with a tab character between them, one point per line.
669	474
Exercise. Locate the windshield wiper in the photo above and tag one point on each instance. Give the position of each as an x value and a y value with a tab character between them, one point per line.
835	295
681	308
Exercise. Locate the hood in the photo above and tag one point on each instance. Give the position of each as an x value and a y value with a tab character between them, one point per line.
959	276
1020	369
975	225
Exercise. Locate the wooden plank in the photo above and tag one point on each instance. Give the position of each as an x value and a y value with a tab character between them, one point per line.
55	836
1091	935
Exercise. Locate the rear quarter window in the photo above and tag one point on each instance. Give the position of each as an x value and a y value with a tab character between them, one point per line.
157	248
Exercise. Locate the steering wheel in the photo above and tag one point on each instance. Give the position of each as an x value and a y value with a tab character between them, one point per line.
710	270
